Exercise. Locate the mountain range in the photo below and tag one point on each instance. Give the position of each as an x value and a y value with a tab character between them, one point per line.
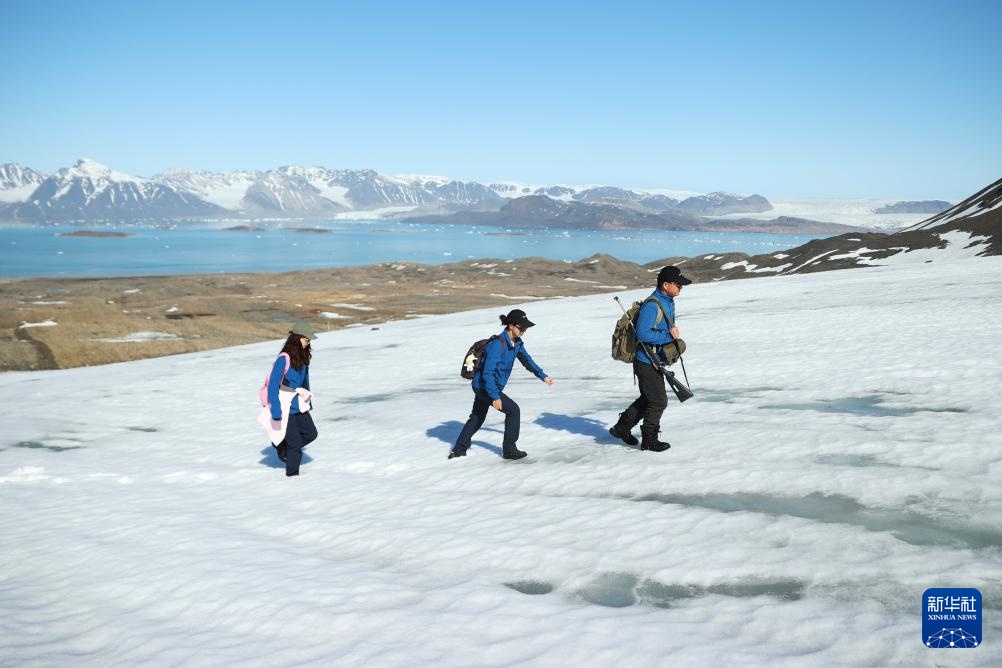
91	191
542	211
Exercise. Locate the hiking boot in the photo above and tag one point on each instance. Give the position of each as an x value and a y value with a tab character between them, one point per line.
655	446
651	441
624	436
453	453
515	454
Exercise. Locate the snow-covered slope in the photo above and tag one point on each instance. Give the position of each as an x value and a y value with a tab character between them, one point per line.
18	182
225	190
986	204
836	461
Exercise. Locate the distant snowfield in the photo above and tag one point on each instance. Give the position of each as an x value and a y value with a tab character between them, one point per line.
844	211
20	194
842	454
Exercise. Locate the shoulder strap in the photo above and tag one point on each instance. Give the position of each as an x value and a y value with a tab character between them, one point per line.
267	378
661	312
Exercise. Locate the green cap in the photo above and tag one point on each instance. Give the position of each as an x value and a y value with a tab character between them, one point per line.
304	329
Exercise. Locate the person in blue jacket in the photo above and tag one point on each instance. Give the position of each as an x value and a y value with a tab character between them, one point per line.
499	358
300	431
655	329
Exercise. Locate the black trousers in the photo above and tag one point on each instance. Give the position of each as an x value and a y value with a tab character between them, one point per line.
299	433
481	404
651	403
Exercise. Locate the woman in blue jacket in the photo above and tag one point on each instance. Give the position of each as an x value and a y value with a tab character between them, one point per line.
300	431
499	357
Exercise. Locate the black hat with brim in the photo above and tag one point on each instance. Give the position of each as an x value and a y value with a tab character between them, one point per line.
518	318
672	274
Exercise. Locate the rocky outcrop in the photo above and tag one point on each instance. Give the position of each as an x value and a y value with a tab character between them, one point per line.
924	206
721	204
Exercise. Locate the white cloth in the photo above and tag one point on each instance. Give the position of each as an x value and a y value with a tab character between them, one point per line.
275	429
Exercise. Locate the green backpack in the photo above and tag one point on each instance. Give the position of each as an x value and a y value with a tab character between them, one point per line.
624	337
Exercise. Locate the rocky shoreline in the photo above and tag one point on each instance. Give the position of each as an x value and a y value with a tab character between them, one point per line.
68	322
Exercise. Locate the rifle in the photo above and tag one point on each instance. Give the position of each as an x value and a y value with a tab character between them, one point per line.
681	391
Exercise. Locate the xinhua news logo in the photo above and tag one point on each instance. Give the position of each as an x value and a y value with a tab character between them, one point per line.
951	618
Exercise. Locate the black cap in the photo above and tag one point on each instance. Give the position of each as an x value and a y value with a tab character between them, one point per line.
672	274
518	318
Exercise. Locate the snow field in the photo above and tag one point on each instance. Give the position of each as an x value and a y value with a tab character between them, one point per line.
842	454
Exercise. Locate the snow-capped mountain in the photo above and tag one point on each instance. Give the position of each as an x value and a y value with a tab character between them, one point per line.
89	190
225	190
306	191
513	190
712	204
92	190
18	182
622	197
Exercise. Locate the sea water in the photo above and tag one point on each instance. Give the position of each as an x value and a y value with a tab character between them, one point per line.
170	248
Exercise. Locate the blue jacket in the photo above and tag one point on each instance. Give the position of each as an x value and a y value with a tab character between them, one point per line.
647	333
499	358
293	379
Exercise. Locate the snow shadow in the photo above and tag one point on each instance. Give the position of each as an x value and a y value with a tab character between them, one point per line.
368	398
870	405
620	590
448	432
269	458
389	396
907	526
575	425
732	396
530	587
38	445
862	461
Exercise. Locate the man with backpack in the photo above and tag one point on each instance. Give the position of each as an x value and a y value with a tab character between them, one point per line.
489	378
655	329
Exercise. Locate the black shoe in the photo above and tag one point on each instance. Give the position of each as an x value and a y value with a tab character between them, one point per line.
627	437
456	454
651	441
516	454
655	446
281	450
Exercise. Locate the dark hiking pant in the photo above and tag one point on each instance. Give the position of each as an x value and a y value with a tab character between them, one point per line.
299	433
481	404
651	403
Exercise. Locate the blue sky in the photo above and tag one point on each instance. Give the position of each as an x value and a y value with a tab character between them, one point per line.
852	99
